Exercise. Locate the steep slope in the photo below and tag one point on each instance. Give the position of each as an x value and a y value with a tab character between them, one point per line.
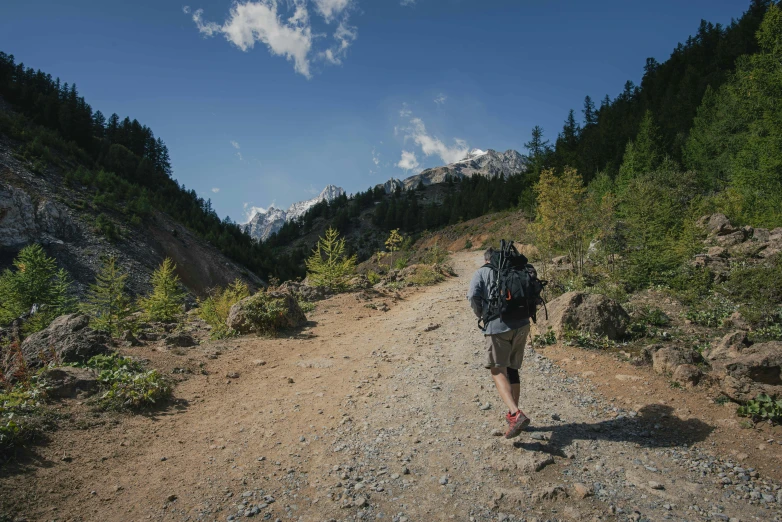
266	222
37	206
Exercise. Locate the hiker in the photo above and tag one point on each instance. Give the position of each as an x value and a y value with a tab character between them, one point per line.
505	322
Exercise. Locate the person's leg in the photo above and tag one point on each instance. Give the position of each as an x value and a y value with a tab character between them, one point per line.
500	377
515	386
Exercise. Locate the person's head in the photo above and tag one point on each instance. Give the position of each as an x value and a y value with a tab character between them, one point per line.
487	255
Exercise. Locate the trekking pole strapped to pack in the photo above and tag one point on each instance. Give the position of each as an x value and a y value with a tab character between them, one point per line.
515	285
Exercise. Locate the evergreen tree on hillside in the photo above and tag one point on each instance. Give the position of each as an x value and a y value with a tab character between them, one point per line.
107	302
166	300
590	115
643	155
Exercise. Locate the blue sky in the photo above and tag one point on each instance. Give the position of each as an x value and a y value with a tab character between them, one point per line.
267	102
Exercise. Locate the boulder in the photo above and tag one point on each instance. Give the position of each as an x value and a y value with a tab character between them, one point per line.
180	340
265	313
128	339
687	375
732	239
305	291
729	347
717	225
736	321
358	282
69	381
593	313
762	235
68	339
756	369
667	359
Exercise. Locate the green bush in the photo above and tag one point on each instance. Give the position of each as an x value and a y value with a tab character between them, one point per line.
36	281
547	339
768	333
215	308
20	415
435	255
758	290
267	313
424	275
166	300
373	277
330	265
711	312
106	227
762	407
690	284
402	261
107	302
306	306
125	384
585	339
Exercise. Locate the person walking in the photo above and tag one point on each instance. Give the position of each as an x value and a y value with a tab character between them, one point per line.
505	338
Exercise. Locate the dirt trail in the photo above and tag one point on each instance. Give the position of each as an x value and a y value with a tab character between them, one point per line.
366	415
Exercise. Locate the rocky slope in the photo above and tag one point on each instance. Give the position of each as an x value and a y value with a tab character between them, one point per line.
488	163
266	222
37	207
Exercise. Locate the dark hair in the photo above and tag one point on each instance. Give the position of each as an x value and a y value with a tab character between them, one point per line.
487	255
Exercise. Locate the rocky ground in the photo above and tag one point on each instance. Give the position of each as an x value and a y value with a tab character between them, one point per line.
385	413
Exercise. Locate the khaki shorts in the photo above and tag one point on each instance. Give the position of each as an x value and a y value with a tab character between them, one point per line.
506	350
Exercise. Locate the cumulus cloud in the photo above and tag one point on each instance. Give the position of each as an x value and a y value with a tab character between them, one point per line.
284	34
407	2
260	21
431	145
440	99
215	190
186	9
408	161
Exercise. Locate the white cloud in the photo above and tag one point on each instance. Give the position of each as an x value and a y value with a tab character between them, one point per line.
186	9
330	9
405	111
235	144
440	99
260	21
250	211
312	189
263	21
431	145
344	36
408	161
407	2
375	157
215	190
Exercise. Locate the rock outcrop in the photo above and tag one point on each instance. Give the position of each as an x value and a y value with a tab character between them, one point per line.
68	339
266	313
592	313
69	382
756	369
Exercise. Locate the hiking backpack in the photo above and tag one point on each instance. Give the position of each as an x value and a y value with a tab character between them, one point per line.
516	285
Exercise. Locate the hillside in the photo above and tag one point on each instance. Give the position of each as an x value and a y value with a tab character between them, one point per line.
37	205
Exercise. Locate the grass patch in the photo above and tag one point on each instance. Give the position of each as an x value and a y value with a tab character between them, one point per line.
424	275
542	340
588	340
711	312
215	308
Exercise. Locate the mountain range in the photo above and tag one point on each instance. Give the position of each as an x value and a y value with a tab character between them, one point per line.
488	163
265	222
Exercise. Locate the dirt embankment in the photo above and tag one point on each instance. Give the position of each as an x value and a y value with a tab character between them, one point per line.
389	415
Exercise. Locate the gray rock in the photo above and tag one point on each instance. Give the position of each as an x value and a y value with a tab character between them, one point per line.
593	313
667	359
687	375
180	340
67	339
69	381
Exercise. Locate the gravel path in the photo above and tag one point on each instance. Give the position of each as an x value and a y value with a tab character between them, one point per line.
372	415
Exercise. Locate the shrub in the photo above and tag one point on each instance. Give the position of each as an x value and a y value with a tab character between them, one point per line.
306	306
267	313
436	255
165	301
107	302
468	244
762	407
329	265
547	339
35	284
215	308
585	339
125	384
711	312
20	415
758	289
105	226
424	275
768	333
401	263
373	277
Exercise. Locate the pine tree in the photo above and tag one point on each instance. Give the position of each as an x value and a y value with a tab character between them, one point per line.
394	241
107	302
590	116
36	285
329	265
165	302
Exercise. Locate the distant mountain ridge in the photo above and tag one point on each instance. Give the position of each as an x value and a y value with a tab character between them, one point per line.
266	222
488	163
